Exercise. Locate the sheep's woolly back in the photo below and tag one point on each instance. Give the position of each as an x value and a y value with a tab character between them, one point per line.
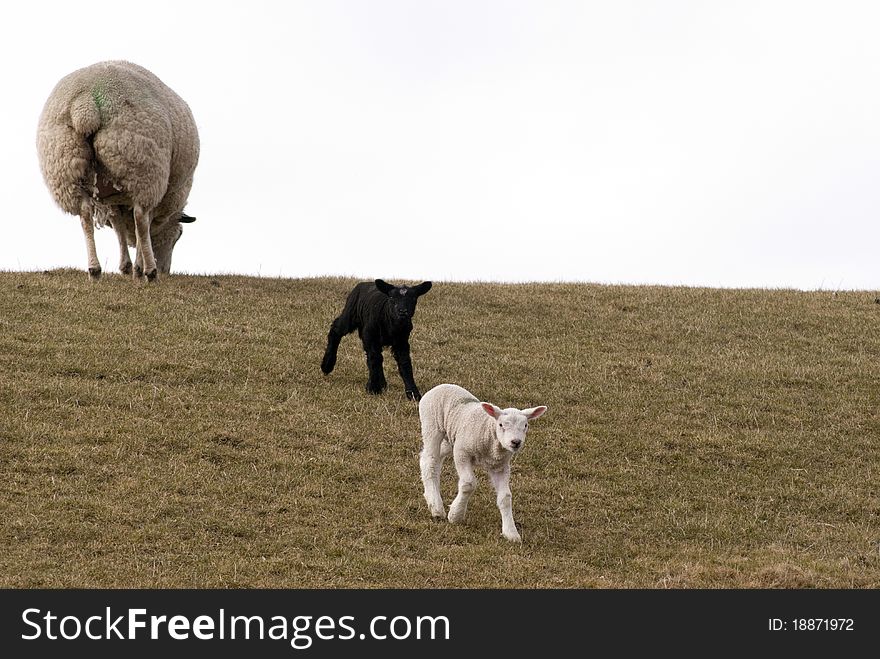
116	126
457	412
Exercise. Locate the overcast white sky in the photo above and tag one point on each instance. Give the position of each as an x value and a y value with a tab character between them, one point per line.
669	142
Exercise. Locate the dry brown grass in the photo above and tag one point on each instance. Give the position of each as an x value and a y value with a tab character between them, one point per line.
182	435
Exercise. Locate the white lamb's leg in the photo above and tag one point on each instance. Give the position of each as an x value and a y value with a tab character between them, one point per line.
88	227
467	481
431	462
501	482
145	259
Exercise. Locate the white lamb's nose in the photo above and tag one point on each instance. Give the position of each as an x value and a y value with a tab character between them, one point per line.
515	443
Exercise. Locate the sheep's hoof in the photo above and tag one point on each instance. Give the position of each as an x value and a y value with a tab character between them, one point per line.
414	395
125	268
138	272
512	535
153	275
94	274
376	389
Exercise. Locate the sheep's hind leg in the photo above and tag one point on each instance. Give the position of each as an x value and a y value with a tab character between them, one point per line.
334	336
124	256
88	227
434	452
467	482
146	261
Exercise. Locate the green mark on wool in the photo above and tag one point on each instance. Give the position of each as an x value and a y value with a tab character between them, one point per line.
98	95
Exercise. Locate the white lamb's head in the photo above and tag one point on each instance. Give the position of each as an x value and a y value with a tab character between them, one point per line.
511	425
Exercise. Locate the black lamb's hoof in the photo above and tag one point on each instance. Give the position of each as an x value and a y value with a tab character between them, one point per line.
414	395
94	274
376	389
327	365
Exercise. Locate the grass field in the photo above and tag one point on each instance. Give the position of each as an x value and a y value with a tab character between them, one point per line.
182	435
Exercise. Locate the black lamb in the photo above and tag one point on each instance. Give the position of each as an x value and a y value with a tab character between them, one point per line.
382	315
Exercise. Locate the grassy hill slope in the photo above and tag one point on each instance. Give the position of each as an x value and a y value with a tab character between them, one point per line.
182	435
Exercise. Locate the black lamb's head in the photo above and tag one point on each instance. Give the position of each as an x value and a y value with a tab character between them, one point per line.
403	298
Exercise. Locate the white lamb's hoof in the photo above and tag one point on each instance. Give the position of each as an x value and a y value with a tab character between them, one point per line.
437	513
455	516
513	537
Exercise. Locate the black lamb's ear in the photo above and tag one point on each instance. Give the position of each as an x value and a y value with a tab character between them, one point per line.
422	288
186	219
384	286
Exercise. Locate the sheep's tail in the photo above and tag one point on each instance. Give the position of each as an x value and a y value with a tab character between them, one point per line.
85	118
85	113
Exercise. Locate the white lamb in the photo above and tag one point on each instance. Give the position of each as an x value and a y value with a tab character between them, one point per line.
477	434
117	146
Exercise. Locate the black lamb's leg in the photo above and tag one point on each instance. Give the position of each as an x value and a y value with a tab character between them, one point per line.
404	367
333	338
376	383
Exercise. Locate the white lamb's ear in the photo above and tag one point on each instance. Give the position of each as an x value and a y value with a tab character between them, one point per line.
491	410
534	412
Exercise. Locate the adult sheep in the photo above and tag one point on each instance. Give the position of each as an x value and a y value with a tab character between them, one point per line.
117	146
382	315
